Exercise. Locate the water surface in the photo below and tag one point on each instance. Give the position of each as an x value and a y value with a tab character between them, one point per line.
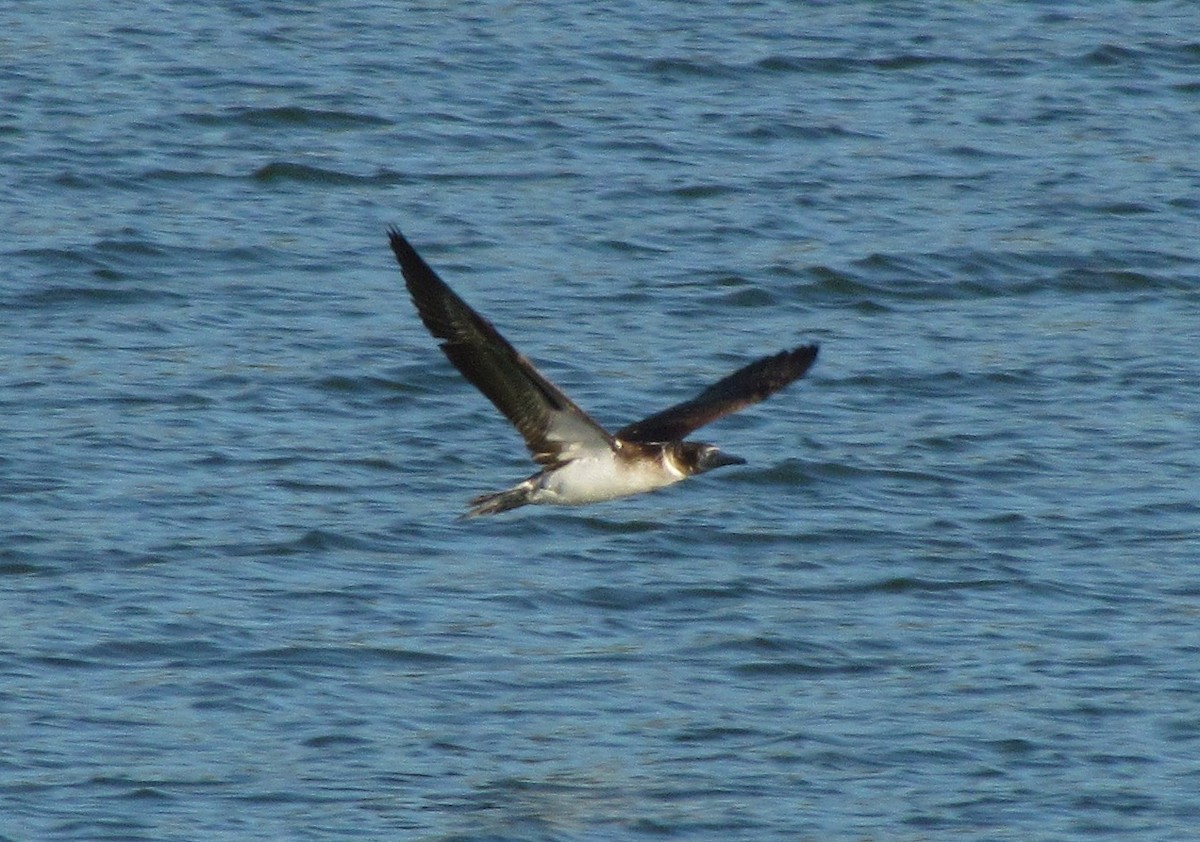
952	596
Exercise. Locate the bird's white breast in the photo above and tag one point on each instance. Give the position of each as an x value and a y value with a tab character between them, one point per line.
590	479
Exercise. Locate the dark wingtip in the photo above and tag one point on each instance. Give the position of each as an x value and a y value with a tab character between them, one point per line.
417	273
807	352
795	362
802	357
401	247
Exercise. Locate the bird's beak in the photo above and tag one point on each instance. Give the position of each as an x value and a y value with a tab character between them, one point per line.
719	459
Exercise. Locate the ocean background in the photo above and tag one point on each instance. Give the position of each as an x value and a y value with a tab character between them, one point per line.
954	595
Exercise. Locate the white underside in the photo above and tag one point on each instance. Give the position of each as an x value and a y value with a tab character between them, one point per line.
591	479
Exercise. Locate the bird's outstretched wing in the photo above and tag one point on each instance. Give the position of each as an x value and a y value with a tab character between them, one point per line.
554	428
749	385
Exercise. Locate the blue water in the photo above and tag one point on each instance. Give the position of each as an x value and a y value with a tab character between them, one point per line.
954	595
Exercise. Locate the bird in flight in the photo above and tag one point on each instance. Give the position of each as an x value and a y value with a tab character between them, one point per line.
580	461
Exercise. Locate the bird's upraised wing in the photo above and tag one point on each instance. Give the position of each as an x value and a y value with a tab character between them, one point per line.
746	386
554	428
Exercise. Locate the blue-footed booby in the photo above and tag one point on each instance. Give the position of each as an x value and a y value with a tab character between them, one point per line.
581	461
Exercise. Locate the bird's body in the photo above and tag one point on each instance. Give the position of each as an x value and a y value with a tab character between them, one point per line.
607	475
582	462
593	477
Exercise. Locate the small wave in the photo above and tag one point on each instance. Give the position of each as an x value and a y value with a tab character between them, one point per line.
10	566
619	599
125	652
319	539
1112	55
286	171
339	656
630	247
747	297
675	66
792	667
357	385
908	61
784	130
60	296
174	175
312	541
807	64
717	733
881	280
702	191
839	65
289	117
913	584
325	741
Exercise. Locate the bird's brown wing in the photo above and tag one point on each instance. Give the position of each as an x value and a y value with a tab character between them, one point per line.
554	428
749	385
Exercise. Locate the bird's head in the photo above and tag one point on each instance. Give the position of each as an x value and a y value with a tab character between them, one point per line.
698	457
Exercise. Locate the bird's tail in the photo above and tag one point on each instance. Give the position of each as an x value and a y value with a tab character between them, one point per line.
501	501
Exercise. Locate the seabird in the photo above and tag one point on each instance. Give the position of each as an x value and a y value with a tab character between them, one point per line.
581	461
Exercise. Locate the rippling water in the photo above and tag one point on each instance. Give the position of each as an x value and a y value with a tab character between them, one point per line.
954	595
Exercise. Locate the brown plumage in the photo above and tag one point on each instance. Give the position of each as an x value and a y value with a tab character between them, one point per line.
528	400
745	387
